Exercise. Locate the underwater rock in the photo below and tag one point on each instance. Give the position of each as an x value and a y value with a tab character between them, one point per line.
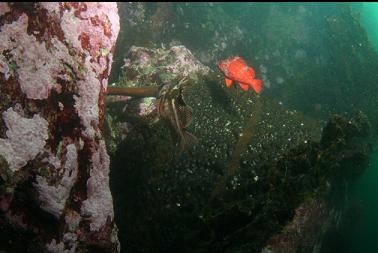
302	233
343	155
54	65
146	66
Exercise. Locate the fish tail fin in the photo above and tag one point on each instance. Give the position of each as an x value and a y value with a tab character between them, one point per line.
257	85
188	141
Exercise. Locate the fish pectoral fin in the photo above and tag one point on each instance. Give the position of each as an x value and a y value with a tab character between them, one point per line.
257	85
228	82
244	86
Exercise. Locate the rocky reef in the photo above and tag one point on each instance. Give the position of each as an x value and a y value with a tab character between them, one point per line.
267	173
258	168
54	188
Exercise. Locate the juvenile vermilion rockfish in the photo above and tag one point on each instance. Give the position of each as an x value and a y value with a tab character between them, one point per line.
236	69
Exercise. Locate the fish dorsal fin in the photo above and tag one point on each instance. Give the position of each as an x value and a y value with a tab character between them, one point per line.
244	86
257	85
228	82
251	72
239	60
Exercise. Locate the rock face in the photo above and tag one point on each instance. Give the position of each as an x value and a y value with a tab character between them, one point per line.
54	63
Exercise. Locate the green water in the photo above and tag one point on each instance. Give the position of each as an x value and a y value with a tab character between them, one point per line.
369	20
363	234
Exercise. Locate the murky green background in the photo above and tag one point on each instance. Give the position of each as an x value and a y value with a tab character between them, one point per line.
363	236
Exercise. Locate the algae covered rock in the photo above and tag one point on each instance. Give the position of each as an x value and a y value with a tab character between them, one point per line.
343	155
55	61
144	66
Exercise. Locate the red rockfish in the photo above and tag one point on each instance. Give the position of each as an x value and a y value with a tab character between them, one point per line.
236	69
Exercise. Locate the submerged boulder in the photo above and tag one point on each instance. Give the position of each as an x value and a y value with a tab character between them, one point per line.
55	60
342	156
144	66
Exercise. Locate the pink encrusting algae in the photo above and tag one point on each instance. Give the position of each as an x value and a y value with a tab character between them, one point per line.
25	138
55	59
